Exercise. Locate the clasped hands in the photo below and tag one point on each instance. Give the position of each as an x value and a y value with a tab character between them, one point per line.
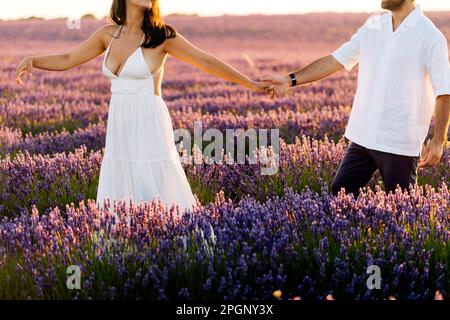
274	85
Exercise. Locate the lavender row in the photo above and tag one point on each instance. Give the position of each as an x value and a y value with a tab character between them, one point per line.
47	181
12	141
305	244
56	180
54	113
316	123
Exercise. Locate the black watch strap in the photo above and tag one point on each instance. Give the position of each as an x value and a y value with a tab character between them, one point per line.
293	79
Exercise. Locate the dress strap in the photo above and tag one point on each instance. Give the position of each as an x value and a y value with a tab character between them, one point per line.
120	28
115	35
142	41
159	70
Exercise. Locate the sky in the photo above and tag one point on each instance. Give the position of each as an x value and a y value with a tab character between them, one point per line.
76	8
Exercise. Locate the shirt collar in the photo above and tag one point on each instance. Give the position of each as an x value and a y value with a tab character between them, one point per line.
411	20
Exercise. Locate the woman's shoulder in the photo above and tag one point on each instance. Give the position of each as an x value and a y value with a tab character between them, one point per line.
171	35
106	32
108	29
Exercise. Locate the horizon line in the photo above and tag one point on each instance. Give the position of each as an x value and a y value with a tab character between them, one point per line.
213	16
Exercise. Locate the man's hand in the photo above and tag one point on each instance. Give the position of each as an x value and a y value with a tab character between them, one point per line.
278	85
431	153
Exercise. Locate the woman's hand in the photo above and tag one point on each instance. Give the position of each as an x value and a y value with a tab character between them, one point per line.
261	87
26	66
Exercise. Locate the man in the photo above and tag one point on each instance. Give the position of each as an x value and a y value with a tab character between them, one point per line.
404	75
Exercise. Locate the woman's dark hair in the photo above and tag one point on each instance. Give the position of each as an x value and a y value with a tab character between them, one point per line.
156	31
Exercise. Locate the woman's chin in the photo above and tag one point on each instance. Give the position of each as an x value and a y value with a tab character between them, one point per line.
144	4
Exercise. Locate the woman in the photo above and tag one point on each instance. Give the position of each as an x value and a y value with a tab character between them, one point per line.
140	160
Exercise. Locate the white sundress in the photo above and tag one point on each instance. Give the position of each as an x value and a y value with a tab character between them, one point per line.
140	162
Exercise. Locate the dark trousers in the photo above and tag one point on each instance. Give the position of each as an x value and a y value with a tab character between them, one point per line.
359	165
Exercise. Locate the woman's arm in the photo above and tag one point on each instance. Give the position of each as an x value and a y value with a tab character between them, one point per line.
86	51
183	50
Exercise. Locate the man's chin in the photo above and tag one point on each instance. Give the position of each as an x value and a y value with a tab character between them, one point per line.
392	6
385	6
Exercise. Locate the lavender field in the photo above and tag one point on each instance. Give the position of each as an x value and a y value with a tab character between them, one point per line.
252	234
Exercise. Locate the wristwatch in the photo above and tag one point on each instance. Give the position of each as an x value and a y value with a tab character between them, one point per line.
293	79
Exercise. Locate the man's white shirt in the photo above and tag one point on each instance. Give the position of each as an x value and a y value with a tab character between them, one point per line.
400	75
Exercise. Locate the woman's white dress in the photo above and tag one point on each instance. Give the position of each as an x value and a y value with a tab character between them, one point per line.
140	160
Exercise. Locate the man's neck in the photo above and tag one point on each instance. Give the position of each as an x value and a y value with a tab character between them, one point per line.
399	15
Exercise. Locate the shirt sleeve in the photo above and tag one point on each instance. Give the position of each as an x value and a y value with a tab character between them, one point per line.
438	66
348	53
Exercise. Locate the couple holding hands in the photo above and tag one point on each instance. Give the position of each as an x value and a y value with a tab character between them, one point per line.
404	78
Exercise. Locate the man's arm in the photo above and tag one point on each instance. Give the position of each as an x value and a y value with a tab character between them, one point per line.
432	152
438	68
346	56
319	69
442	115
